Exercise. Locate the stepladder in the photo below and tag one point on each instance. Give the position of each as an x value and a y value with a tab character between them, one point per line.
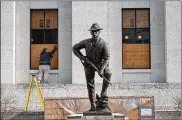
34	82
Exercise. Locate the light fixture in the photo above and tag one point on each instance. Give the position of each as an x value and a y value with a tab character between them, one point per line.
126	37
139	37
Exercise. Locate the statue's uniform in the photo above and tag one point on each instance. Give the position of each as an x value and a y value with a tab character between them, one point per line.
96	54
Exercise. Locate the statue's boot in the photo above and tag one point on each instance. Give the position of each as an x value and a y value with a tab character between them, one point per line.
92	107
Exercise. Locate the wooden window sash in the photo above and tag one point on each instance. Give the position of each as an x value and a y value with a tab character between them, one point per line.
136	56
36	16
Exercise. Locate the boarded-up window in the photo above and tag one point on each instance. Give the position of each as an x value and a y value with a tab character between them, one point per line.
44	34
136	38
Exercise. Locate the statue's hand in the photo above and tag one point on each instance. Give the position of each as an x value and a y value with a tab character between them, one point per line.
101	71
85	59
82	58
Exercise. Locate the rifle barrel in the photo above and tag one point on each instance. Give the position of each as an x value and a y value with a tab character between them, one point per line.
93	66
98	72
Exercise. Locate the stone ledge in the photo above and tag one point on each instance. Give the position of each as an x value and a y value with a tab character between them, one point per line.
164	93
167	115
112	87
167	108
113	116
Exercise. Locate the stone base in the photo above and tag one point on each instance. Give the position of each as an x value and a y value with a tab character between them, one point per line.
114	116
97	118
94	113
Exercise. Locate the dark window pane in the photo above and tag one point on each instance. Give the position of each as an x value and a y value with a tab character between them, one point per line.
142	36
128	35
37	37
51	36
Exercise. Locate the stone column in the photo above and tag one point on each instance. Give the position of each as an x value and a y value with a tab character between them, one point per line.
65	42
7	42
157	42
22	25
115	39
173	41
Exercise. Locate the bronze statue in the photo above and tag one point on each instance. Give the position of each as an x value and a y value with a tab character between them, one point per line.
96	60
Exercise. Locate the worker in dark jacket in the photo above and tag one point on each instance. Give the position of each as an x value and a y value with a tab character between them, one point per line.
44	63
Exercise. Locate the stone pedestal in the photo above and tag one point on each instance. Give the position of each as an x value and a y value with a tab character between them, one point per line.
89	113
97	116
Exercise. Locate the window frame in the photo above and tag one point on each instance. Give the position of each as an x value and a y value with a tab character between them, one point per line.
44	32
135	9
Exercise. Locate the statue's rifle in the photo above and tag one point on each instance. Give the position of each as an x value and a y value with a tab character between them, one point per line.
95	68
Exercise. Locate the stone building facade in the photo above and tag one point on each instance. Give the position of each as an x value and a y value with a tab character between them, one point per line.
74	19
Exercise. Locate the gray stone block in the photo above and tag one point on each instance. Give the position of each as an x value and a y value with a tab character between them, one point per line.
97	118
114	116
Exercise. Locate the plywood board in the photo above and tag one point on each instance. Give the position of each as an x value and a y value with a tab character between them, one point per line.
37	19
35	55
51	19
60	108
129	19
136	56
142	19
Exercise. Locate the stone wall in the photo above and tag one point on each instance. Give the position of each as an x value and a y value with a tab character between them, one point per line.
28	116
166	96
7	42
173	41
159	115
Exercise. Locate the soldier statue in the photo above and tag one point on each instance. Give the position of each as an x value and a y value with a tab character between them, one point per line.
97	53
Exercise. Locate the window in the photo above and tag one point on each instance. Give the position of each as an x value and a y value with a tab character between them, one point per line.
44	33
136	38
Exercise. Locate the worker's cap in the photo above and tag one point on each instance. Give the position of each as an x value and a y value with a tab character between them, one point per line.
44	49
